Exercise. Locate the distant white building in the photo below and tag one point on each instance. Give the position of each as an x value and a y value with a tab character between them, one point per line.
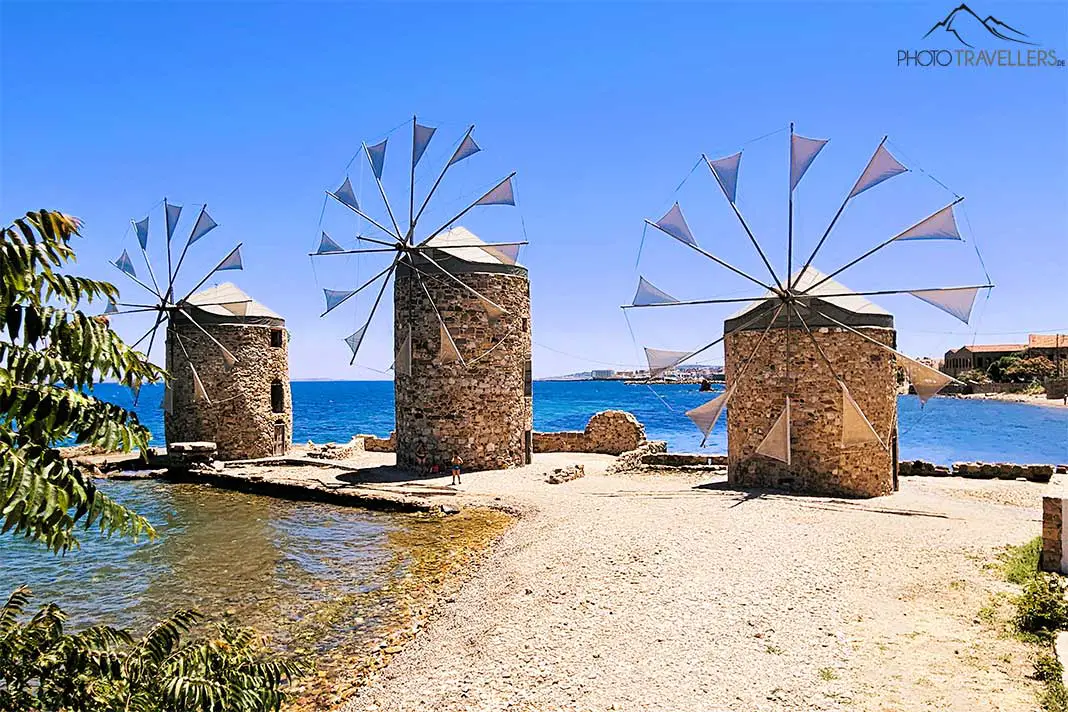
602	374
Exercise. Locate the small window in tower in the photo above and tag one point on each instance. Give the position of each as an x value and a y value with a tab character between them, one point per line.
276	338
528	381
278	397
525	325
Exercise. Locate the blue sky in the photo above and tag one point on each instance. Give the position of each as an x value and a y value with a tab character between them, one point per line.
601	108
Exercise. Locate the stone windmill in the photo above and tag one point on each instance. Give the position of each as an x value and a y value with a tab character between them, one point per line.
811	366
226	354
462	342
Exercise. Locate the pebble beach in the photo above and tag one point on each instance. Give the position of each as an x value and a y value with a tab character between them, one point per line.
674	592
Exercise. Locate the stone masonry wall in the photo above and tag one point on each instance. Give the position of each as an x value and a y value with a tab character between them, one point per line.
480	411
1052	557
239	419
820	465
611	432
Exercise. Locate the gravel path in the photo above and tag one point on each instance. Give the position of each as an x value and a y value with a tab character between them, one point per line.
639	592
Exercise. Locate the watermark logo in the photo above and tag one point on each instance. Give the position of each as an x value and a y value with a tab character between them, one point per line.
968	40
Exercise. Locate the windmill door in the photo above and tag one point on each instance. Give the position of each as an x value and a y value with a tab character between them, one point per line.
280	439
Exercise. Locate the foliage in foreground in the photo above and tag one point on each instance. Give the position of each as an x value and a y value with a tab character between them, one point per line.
1054	697
102	668
51	355
1019	564
1041	611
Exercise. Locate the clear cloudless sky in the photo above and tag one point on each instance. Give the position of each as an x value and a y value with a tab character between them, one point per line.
256	108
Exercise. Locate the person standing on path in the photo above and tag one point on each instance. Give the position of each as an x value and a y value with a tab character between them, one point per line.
456	462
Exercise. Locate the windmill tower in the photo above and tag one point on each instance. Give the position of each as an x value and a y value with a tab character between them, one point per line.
479	408
226	355
462	345
833	451
811	366
249	412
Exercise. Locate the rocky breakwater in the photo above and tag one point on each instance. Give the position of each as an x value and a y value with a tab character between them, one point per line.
979	470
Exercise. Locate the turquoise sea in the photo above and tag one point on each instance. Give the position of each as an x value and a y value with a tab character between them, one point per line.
943	431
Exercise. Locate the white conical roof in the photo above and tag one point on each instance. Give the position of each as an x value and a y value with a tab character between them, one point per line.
850	302
212	299
460	235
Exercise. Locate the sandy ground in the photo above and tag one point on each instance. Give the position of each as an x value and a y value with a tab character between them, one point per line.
643	592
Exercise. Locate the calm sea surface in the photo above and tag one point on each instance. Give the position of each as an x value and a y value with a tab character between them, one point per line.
943	431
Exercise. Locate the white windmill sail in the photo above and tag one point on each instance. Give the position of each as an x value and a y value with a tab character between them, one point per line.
402	363
229	360
648	294
447	352
501	194
198	387
925	380
776	444
674	224
355	339
856	428
346	195
203	226
141	228
111	308
726	170
172	212
125	264
328	245
421	139
882	166
661	360
957	301
377	154
705	416
802	152
507	254
940	226
467	147
232	261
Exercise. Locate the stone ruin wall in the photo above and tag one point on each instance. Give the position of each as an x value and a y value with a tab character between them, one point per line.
820	464
611	432
239	420
482	411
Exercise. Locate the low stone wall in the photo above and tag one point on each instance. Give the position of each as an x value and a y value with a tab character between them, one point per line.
684	459
632	459
373	443
978	470
611	432
921	468
562	441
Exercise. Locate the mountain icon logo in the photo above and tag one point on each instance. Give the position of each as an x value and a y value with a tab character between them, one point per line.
970	29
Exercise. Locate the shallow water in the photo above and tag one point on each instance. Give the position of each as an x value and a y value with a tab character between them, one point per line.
943	431
269	563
